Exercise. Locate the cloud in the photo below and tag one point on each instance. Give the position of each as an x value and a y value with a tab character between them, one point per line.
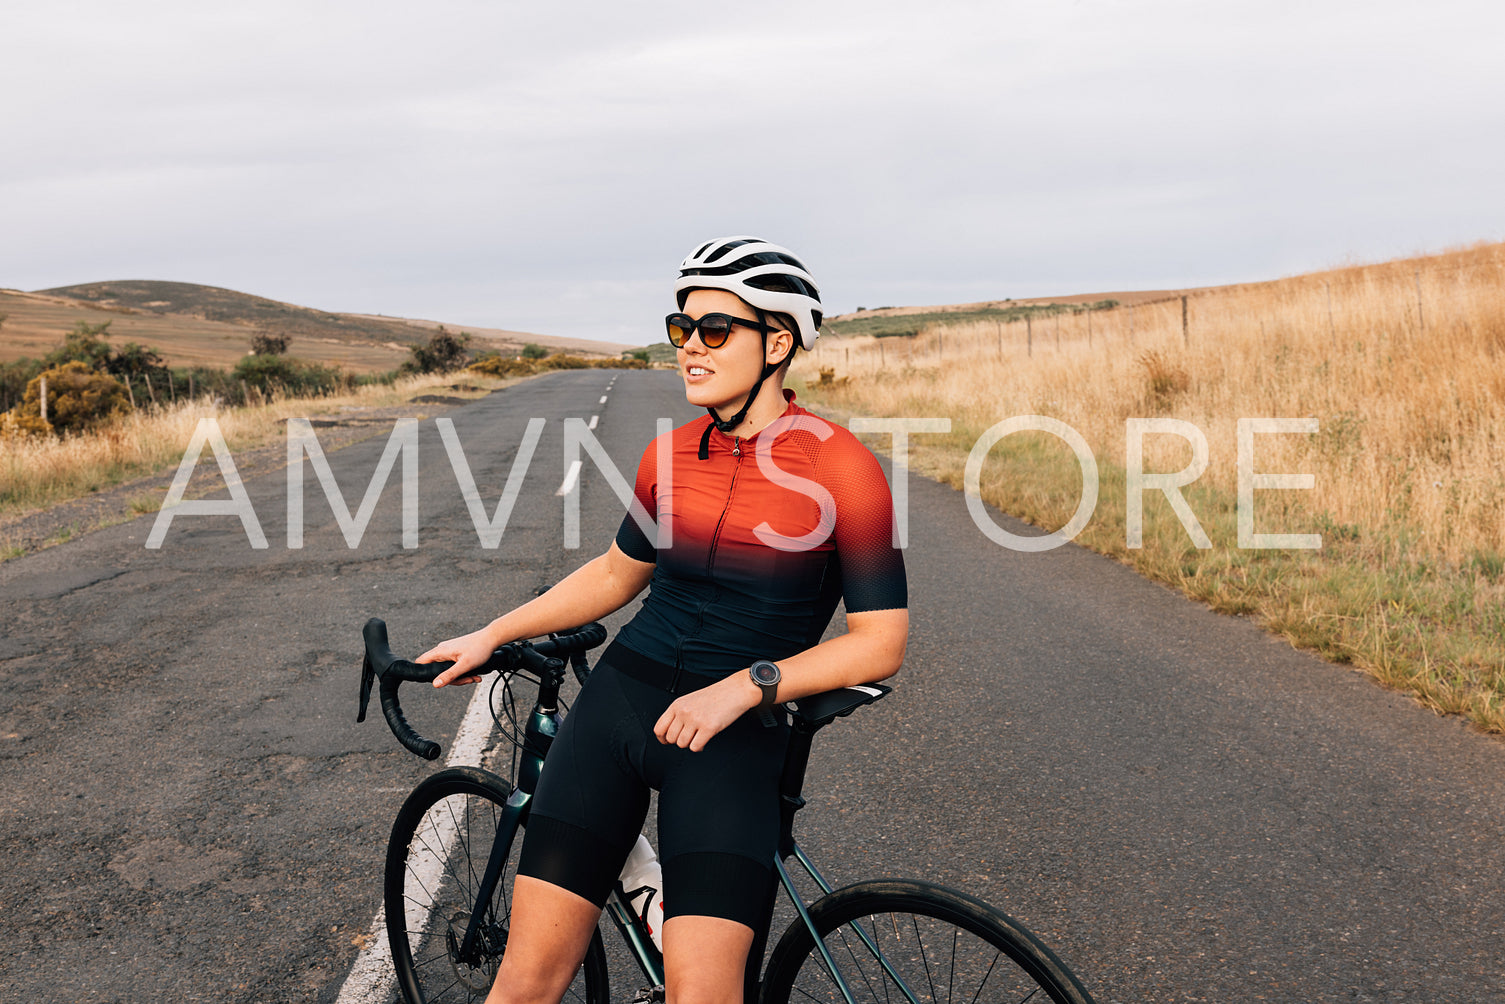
516	166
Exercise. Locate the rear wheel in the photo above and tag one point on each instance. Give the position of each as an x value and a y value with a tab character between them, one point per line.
905	941
436	862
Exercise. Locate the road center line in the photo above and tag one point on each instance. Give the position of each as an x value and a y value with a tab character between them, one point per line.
571	477
592	426
603	399
372	979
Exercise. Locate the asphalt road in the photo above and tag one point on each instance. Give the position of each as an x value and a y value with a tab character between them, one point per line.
1185	809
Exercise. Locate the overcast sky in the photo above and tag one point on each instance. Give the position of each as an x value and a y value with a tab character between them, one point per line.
544	167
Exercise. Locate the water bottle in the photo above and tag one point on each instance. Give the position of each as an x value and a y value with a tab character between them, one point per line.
643	882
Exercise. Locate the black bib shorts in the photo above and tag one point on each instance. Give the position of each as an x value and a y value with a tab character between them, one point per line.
718	810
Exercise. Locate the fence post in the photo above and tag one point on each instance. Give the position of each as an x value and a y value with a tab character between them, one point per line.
43	390
1185	331
130	393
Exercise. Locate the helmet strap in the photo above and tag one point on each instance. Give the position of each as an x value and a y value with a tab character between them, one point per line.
769	369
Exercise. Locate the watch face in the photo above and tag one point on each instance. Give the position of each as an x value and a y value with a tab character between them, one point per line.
764	672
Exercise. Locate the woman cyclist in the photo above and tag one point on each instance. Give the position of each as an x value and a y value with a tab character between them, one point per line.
766	517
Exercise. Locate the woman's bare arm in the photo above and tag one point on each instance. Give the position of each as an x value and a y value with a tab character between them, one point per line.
602	585
871	650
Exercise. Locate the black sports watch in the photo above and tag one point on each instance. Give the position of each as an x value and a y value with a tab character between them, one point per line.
766	675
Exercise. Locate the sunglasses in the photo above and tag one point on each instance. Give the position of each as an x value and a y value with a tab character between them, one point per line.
715	329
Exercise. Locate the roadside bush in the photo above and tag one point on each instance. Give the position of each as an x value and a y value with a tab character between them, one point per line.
564	362
633	363
496	366
87	344
288	375
443	352
13	380
77	399
534	351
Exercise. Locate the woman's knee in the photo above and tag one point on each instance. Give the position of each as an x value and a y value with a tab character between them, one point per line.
705	959
549	933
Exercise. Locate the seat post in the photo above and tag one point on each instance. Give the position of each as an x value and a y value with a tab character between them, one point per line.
792	782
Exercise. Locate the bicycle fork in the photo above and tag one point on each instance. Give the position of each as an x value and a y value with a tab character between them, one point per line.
469	951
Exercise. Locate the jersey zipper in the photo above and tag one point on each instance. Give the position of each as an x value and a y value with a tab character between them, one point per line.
710	564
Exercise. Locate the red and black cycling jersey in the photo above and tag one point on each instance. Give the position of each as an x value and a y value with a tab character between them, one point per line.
760	549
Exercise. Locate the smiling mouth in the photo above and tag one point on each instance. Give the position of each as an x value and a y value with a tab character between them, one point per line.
698	371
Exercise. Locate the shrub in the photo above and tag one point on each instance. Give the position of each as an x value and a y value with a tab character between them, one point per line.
264	343
77	399
532	351
564	362
443	352
87	344
288	375
496	366
13	380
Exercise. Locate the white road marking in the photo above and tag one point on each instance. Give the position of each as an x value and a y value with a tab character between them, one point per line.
371	979
603	399
571	479
592	426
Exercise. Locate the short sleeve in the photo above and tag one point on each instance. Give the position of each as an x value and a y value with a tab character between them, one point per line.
631	539
872	566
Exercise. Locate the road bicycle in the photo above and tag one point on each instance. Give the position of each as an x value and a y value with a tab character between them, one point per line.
455	843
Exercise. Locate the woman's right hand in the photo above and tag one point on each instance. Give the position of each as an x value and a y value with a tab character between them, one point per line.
466	652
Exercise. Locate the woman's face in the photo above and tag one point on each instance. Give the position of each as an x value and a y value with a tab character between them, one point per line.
720	378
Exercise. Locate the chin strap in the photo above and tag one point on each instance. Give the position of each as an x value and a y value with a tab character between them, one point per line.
727	425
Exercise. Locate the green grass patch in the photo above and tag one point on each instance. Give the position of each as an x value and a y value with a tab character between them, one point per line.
908	325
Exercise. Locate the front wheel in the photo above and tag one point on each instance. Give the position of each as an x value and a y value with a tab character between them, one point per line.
915	942
436	862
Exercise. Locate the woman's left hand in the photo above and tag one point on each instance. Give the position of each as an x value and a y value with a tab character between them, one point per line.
692	720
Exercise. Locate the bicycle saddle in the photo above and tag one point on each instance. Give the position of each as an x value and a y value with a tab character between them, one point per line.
817	710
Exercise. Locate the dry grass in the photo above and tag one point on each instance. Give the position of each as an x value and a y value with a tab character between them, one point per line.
1402	363
36	472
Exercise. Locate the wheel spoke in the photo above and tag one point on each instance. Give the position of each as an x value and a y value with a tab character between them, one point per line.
929	945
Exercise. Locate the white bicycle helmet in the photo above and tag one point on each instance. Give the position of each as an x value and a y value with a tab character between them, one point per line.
765	275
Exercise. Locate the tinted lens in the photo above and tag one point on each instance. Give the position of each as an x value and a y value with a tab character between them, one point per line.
680	328
713	330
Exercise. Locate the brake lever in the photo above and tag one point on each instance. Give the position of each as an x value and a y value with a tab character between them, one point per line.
368	676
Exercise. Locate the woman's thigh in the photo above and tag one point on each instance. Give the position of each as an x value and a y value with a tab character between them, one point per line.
719	824
591	798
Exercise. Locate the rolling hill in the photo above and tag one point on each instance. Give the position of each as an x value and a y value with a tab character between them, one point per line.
191	324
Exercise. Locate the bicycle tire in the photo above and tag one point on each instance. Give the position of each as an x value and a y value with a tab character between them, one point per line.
944	945
436	860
